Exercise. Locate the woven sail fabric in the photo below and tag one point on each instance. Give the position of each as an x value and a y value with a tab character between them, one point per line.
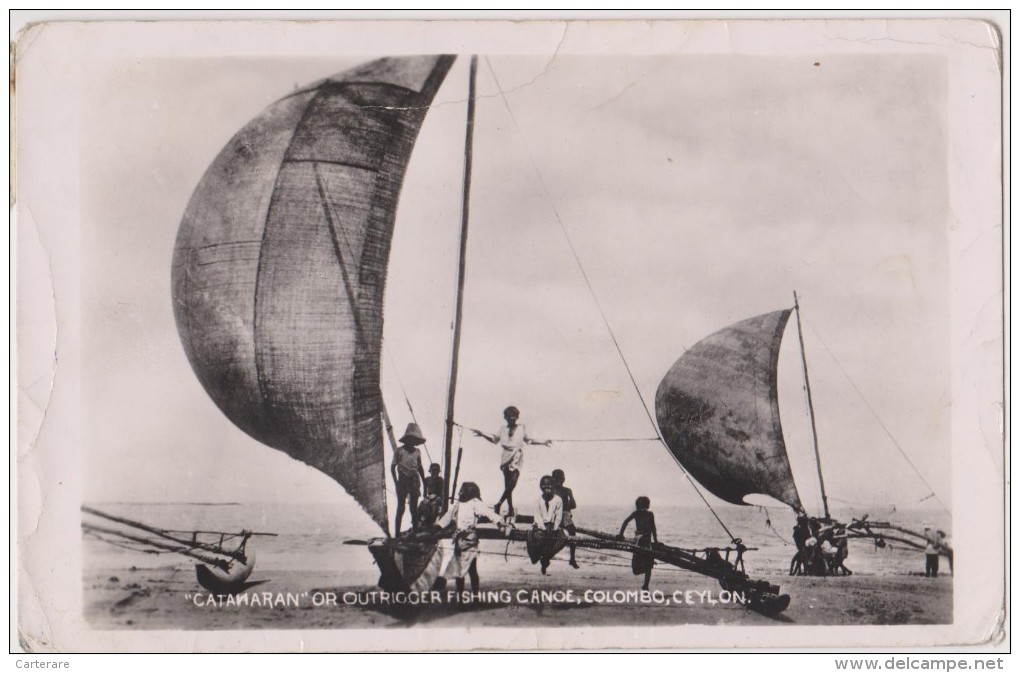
280	267
718	411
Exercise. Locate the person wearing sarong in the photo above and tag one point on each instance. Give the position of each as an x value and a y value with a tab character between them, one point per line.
460	553
801	533
569	505
432	501
511	437
547	538
408	474
931	553
945	547
645	536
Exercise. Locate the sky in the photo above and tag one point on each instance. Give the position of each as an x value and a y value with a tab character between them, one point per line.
696	191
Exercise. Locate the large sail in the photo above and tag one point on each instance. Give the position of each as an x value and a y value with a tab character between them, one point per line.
718	411
280	267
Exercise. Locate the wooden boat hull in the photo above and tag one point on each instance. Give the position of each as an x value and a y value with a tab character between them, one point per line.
413	564
407	565
229	581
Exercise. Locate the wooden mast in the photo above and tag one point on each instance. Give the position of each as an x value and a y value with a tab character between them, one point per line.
468	141
811	408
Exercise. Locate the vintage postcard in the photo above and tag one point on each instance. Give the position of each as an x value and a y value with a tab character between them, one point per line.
355	336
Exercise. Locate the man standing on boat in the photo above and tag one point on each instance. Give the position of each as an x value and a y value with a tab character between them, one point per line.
511	437
408	474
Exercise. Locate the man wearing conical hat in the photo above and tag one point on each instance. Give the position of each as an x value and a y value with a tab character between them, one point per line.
408	474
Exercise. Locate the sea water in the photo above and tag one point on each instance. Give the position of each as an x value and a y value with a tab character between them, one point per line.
311	537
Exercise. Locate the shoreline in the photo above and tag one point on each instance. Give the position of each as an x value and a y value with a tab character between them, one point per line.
168	597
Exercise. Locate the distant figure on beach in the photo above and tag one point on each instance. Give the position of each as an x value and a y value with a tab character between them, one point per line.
460	554
931	553
835	550
432	501
511	437
946	548
813	559
569	505
801	533
644	536
408	474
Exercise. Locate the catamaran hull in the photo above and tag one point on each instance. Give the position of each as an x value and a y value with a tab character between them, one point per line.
229	581
406	565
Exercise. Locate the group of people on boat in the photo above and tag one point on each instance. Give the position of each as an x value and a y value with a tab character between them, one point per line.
822	547
553	517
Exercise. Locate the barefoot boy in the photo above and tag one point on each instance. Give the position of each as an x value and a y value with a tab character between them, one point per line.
567	496
644	536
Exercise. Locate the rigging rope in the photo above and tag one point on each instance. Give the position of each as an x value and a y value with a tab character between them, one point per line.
891	505
879	419
135	547
355	309
407	400
591	290
658	566
596	440
768	522
587	440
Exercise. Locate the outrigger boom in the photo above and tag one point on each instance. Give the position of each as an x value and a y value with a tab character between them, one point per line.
228	569
761	596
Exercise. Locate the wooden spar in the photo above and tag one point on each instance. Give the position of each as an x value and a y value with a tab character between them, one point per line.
389	427
180	548
456	472
195	544
811	409
468	141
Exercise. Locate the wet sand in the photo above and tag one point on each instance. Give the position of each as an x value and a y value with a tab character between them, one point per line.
168	597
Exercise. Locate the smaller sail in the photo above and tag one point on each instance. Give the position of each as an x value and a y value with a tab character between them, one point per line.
718	411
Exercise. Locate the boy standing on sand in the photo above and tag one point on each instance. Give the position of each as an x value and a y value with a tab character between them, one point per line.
931	554
644	536
567	496
408	474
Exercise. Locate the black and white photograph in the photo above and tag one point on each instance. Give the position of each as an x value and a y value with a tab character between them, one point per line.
348	336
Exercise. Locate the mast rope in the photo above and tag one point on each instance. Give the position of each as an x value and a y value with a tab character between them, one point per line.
874	413
589	440
768	522
407	400
352	295
591	290
658	566
135	547
892	505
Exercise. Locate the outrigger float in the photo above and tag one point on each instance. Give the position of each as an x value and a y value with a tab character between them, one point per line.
227	558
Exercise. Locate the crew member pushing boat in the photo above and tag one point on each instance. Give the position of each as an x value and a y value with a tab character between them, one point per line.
460	554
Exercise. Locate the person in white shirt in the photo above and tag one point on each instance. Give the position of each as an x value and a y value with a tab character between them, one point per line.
511	437
460	554
549	519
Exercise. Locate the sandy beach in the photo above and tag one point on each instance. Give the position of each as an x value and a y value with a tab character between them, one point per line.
168	597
